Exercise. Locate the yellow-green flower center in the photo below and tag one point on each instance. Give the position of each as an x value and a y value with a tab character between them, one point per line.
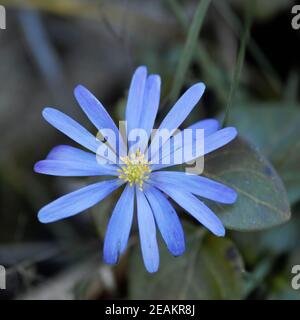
136	169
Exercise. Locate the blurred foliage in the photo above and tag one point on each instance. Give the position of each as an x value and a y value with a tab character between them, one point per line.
262	200
274	129
210	269
189	48
50	46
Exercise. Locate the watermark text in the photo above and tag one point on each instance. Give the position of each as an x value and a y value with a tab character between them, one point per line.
2	278
2	18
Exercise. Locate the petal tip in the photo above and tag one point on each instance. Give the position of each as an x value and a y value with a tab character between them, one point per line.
178	252
200	86
152	269
108	259
141	69
231	196
221	232
48	112
151	265
234	197
36	167
155	78
233	131
196	91
42	217
80	90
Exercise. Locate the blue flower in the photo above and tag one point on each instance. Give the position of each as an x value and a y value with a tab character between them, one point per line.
142	180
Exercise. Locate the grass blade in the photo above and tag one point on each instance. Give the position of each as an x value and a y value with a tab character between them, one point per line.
239	63
188	50
262	61
214	77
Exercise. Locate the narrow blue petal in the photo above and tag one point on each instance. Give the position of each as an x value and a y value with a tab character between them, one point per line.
97	114
195	207
180	111
68	153
167	221
212	142
179	151
135	98
74	168
183	107
197	185
219	139
150	106
77	201
72	129
147	230
118	229
208	125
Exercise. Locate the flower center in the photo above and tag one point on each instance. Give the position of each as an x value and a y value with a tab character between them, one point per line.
136	169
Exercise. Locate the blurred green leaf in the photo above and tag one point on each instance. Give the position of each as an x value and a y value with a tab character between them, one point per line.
283	238
215	77
275	241
291	88
240	60
275	130
267	9
265	67
68	7
283	291
211	268
281	287
258	275
262	200
189	48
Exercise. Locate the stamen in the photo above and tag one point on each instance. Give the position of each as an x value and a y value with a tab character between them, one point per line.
136	169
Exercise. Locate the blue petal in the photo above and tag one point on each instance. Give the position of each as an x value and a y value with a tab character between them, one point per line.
219	139
212	142
150	106
119	226
147	232
135	98
97	114
167	221
197	185
77	201
195	207
180	111
71	128
68	153
75	158
208	125
74	168
183	107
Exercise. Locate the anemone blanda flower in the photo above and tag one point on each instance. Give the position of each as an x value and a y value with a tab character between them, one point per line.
146	182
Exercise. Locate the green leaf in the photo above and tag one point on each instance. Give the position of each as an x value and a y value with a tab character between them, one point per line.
211	268
275	130
262	201
188	50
